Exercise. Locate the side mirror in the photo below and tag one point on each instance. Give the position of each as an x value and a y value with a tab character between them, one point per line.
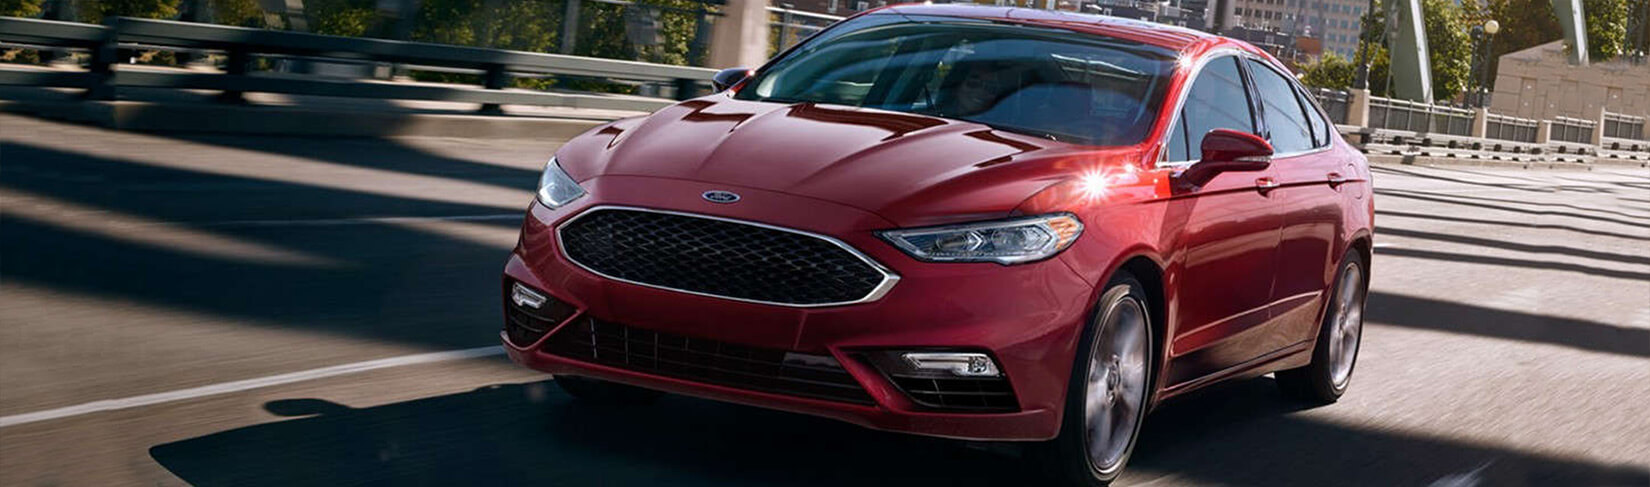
1228	150
726	78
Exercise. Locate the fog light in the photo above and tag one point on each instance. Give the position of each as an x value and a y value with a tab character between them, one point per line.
525	297
956	363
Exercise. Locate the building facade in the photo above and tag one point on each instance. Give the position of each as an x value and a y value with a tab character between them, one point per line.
1334	22
1540	83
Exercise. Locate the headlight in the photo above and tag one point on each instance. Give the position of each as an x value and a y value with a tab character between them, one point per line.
555	187
1004	242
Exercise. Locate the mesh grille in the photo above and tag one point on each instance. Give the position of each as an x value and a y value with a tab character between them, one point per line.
710	361
718	258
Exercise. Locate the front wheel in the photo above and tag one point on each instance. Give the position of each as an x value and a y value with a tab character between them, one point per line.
1325	379
1106	402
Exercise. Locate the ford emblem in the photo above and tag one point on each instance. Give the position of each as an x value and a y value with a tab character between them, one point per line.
719	196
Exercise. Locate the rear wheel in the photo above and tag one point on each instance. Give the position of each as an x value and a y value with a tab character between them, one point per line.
1106	402
1329	374
604	392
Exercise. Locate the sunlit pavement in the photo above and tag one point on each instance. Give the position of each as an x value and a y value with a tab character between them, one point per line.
1508	344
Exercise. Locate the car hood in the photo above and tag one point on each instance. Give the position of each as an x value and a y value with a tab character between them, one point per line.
910	169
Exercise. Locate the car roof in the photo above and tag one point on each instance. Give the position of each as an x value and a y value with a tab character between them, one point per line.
1166	36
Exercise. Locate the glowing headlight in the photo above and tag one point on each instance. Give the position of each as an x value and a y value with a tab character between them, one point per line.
556	188
1004	242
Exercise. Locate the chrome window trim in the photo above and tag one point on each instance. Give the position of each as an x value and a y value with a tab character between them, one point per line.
889	278
1180	104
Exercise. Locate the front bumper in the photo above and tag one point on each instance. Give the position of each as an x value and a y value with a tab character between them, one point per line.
1027	316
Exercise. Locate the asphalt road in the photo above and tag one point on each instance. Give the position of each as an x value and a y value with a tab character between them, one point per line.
1508	339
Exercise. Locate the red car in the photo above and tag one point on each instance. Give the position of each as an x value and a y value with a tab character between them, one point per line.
969	222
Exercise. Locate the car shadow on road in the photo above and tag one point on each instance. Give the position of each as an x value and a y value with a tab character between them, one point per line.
520	434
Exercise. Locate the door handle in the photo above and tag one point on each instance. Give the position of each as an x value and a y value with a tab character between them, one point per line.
1336	179
1266	184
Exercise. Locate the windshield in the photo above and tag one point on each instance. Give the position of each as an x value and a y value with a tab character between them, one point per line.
1050	83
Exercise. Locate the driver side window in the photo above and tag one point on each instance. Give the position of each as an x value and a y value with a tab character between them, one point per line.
1217	100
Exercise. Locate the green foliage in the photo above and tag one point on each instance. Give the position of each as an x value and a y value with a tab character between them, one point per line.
1448	43
20	8
97	10
1606	28
602	32
341	17
244	13
1530	23
1328	71
522	25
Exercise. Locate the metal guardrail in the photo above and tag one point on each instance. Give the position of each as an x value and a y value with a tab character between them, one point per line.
788	27
243	45
1510	128
1387	113
1621	126
1335	102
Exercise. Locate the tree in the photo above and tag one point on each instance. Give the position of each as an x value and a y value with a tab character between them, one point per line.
1530	23
1449	47
96	10
20	8
1328	71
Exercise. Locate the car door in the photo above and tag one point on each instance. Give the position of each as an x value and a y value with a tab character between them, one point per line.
1228	243
1309	197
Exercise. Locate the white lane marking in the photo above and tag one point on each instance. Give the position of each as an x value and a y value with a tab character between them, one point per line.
360	221
1385	245
242	385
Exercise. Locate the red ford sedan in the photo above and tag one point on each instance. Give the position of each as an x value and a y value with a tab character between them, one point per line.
969	222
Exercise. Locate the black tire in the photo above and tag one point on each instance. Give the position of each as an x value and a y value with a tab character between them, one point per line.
1067	456
1315	383
604	392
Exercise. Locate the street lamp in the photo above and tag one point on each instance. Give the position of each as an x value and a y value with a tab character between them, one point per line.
1363	57
1484	37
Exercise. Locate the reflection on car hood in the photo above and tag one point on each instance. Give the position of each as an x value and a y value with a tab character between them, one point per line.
911	169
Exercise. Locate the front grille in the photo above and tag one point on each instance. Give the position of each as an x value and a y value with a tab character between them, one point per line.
709	361
975	394
723	258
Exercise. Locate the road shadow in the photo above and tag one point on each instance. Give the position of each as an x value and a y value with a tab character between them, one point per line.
382	281
533	434
1456	200
1542	226
1537	187
1511	262
1432	314
1515	246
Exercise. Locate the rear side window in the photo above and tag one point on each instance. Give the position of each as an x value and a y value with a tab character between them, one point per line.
1217	100
1322	130
1281	108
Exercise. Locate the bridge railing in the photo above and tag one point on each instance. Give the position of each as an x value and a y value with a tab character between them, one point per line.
1620	126
1574	130
1393	114
495	67
1502	127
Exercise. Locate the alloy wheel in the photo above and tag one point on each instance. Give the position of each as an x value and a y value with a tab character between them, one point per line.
1346	327
1116	392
